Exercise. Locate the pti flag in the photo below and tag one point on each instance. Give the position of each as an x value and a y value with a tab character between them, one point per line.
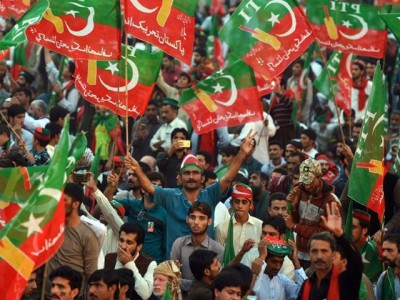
14	8
393	23
37	230
103	82
167	24
227	98
266	86
80	29
368	167
267	35
348	27
17	34
338	71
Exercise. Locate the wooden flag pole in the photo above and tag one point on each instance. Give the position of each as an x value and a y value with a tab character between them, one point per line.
333	95
13	131
126	95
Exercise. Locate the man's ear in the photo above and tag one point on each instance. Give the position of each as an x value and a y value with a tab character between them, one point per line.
209	222
74	293
139	247
113	288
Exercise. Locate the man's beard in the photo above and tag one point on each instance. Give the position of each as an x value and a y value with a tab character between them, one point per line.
256	191
198	233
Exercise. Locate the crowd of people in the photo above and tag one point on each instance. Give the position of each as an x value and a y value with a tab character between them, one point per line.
255	211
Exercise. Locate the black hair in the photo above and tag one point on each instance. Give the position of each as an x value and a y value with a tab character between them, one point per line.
25	90
75	191
323	236
57	112
207	155
275	142
280	170
73	276
125	277
276	196
71	67
6	163
199	260
392	238
133	228
182	130
54	128
244	272
277	222
5	129
200	51
153	176
202	207
310	133
229	150
108	276
15	110
228	278
17	158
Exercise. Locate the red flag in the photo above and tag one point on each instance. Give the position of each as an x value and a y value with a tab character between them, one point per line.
103	82
266	86
167	24
14	8
226	98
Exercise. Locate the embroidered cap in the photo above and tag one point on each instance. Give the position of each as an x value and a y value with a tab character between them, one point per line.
362	215
42	134
277	247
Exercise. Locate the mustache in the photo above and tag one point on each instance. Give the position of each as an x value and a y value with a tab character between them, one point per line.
54	296
319	261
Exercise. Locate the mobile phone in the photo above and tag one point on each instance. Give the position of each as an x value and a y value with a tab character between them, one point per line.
185	143
79	176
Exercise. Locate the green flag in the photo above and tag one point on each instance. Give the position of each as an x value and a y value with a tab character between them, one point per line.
348	230
94	168
229	252
368	167
167	294
393	23
387	289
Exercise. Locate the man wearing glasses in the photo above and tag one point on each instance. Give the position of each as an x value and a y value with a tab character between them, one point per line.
246	229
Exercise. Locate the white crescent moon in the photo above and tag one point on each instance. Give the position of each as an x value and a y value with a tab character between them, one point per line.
233	97
142	8
90	22
130	85
349	63
359	35
289	9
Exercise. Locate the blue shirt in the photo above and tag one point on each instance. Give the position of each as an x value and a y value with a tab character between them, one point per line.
177	206
154	222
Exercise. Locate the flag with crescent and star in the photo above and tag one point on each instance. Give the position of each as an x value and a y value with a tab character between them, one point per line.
338	71
348	27
18	184
393	23
80	29
14	8
267	35
37	230
167	24
266	86
17	34
215	52
368	170
229	97
103	82
20	58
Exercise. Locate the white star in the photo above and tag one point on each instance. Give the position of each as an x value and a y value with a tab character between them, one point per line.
112	67
218	88
274	19
346	24
33	224
133	51
71	12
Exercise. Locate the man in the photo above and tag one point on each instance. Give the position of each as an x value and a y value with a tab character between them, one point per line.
126	283
370	68
308	201
198	219
307	139
228	286
278	205
16	114
170	71
161	141
301	86
356	132
250	164
328	168
55	134
367	247
205	158
178	201
65	283
24	95
57	115
131	238
275	150
174	91
81	247
103	285
166	280
36	116
169	161
258	181
30	287
388	286
269	283
5	134
143	131
390	249
204	266
38	155
273	226
326	282
245	227
25	79
201	68
285	183
360	90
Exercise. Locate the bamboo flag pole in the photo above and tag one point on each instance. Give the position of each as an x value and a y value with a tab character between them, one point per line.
13	131
126	95
333	94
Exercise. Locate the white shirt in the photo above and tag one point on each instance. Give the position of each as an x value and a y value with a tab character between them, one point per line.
249	230
279	287
31	124
354	100
164	134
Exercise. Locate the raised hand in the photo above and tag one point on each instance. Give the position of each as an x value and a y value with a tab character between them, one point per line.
248	142
333	219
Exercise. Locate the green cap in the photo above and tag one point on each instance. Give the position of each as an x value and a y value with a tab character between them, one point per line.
277	247
170	101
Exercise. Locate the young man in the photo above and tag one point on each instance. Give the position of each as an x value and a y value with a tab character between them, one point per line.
65	283
198	220
367	247
178	201
308	200
16	114
228	286
245	227
307	139
167	275
361	88
103	285
81	247
258	181
204	266
276	159
38	155
131	238
126	283
326	281
30	287
269	283
278	205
